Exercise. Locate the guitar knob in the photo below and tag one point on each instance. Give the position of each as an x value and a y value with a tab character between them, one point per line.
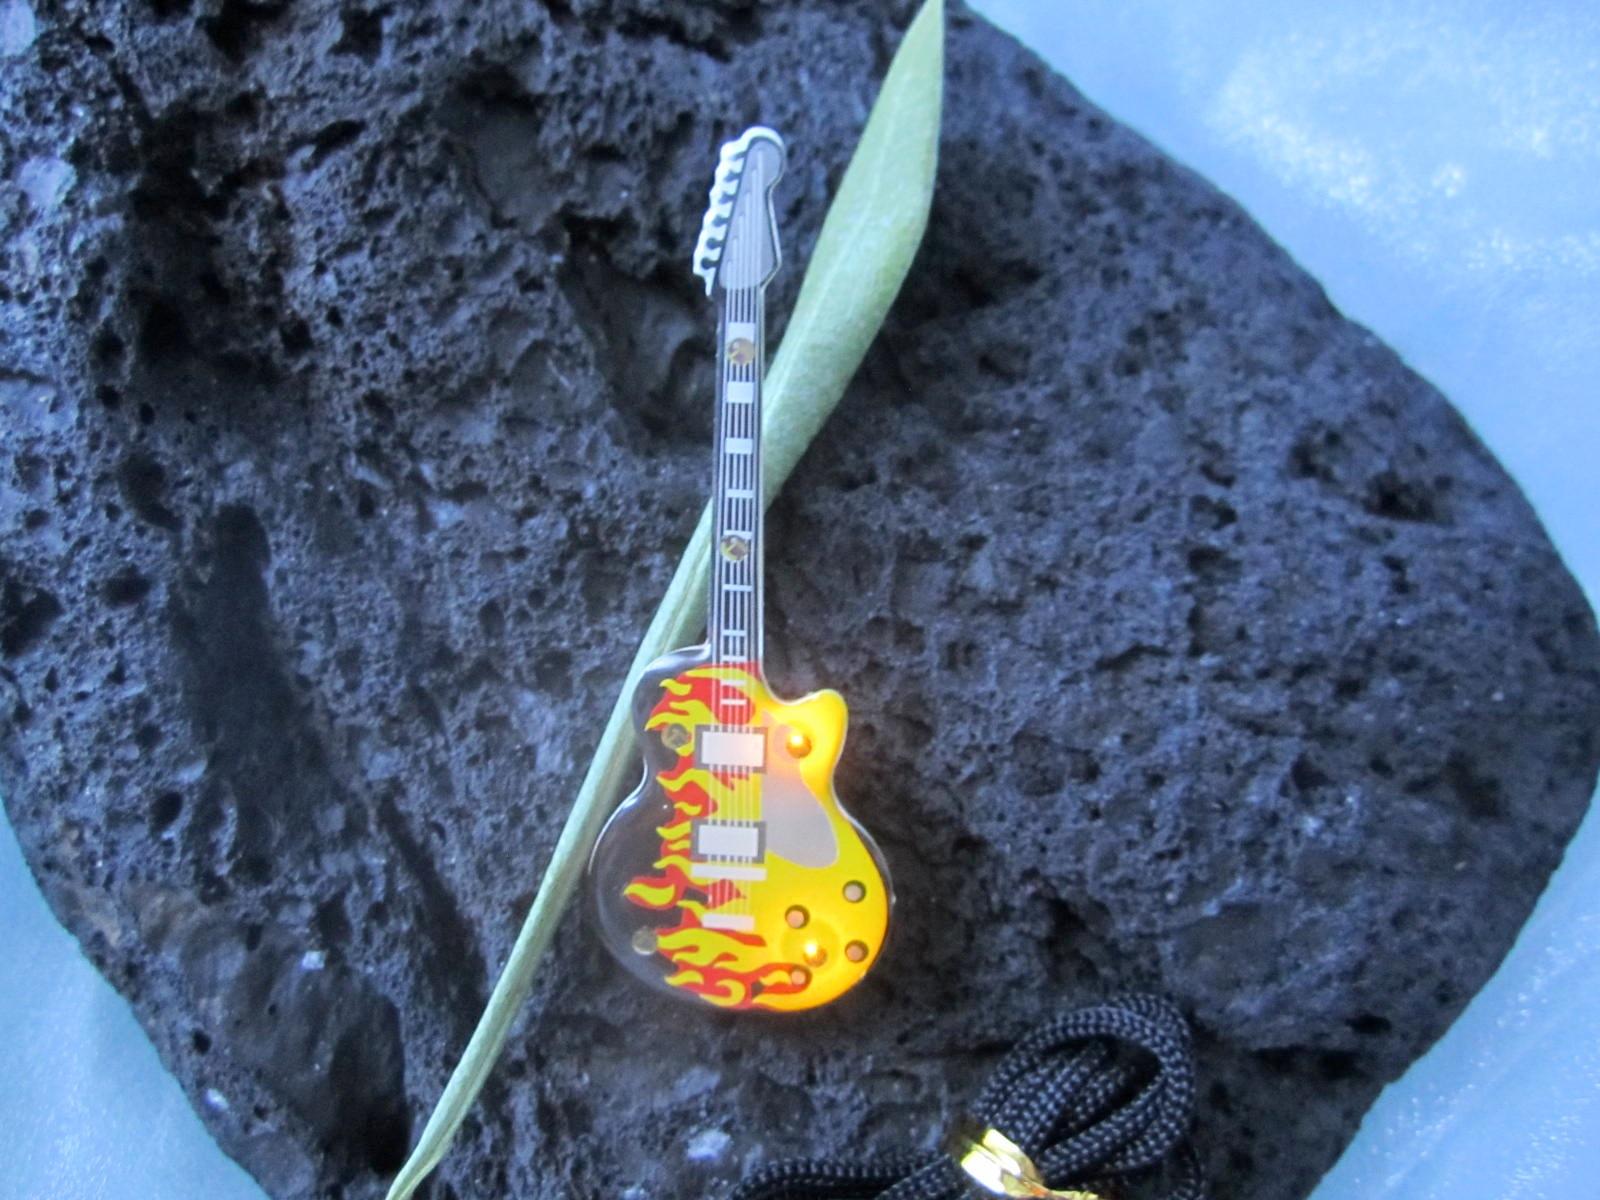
797	743
856	951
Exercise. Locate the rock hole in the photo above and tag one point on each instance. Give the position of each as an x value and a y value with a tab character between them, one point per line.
1478	791
332	925
1348	687
1399	582
107	347
144	484
295	335
25	617
1211	565
126	587
1305	776
1220	515
491	620
1369	1025
361	34
1082	766
366	1074
243	107
1396	499
334	137
234	30
164	810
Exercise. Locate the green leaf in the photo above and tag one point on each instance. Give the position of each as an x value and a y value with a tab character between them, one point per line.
868	240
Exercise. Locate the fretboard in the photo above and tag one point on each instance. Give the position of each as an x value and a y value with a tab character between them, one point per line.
734	620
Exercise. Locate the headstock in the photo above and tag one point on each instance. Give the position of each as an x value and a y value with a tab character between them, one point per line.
738	245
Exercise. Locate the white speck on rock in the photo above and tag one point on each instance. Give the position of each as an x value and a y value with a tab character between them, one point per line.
696	1081
217	1100
45	181
191	769
18	29
313	960
707	1145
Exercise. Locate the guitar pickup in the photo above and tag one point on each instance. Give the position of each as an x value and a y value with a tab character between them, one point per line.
721	845
732	749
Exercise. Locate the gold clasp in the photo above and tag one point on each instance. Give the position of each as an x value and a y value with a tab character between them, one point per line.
998	1165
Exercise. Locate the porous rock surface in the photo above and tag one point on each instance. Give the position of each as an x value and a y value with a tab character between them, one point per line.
355	397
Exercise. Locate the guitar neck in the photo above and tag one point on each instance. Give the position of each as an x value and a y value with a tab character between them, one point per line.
735	612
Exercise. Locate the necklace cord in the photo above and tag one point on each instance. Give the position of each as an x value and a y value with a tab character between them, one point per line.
1098	1101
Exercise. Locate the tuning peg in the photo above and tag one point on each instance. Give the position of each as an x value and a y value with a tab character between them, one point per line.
726	185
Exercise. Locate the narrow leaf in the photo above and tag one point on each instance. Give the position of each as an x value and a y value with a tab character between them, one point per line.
868	240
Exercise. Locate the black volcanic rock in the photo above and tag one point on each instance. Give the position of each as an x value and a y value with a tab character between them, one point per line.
355	408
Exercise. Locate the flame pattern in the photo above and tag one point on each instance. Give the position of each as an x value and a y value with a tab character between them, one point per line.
772	965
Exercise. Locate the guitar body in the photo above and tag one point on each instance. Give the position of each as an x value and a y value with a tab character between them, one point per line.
733	876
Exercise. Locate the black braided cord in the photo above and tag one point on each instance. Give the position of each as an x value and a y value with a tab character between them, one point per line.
1100	1099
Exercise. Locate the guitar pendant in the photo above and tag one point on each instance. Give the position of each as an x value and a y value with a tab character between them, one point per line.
733	876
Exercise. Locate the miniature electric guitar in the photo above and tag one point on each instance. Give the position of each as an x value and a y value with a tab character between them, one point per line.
733	876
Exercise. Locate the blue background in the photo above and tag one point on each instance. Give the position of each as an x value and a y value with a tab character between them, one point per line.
1436	164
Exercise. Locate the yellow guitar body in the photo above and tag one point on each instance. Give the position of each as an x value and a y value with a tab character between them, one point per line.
759	890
